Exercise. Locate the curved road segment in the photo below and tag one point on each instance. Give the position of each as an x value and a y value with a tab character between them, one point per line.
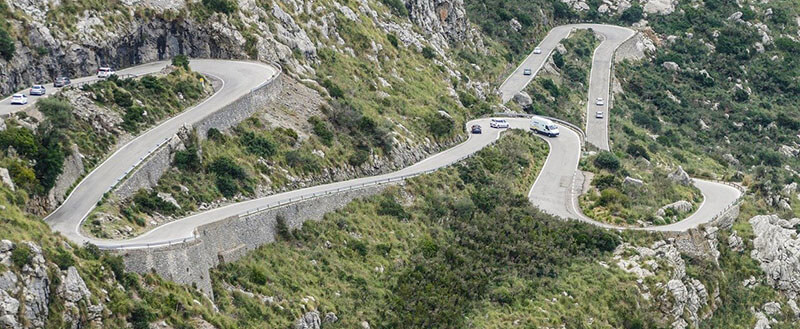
553	191
599	78
238	78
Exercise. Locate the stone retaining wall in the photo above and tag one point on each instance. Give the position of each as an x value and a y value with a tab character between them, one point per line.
147	174
230	239
240	109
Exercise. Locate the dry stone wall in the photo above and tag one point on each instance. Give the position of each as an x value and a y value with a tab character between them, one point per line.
230	239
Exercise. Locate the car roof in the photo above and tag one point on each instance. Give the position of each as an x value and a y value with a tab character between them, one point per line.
37	86
18	95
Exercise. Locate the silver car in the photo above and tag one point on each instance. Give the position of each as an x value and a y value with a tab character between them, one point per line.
537	50
37	90
599	114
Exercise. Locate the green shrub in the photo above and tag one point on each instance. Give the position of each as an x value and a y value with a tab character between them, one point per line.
49	158
188	160
392	40
282	228
632	14
149	202
227	186
21	255
333	89
259	145
57	110
303	161
558	59
181	61
62	258
226	167
607	160
440	125
397	6
220	6
7	46
637	150
388	206
428	52
215	135
123	98
359	157
141	316
321	129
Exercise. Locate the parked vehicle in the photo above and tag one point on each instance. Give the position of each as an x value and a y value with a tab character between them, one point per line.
37	90
498	123
61	82
599	101
527	72
105	72
476	129
537	50
544	126
599	114
19	99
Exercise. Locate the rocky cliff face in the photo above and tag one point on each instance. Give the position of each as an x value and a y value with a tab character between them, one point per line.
29	289
155	30
776	247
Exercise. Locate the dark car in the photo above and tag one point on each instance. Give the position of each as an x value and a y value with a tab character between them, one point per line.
476	129
61	82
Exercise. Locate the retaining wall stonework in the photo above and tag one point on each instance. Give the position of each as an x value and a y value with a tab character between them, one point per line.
230	239
147	174
240	109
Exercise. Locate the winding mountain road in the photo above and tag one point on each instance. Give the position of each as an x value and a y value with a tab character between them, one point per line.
554	190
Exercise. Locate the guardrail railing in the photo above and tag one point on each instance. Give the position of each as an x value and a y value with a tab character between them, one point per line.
277	204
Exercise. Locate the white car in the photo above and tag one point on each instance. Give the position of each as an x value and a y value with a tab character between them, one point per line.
537	50
599	114
499	123
105	72
37	90
19	99
599	101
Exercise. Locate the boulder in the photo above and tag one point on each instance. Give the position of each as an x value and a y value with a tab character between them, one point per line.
772	308
672	66
632	181
72	288
681	206
309	320
166	197
523	99
5	178
660	7
776	247
330	317
730	159
680	176
735	242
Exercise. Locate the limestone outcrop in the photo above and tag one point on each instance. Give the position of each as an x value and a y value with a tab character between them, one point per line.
776	247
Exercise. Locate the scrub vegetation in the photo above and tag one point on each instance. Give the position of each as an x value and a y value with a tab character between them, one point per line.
459	248
40	148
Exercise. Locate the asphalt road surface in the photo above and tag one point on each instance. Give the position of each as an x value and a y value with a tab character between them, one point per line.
554	190
238	79
599	78
7	108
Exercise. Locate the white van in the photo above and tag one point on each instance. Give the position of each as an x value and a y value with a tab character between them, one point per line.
544	126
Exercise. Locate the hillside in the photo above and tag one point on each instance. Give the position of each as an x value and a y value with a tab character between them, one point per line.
704	89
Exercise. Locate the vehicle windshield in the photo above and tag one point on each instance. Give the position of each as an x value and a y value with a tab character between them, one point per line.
551	127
